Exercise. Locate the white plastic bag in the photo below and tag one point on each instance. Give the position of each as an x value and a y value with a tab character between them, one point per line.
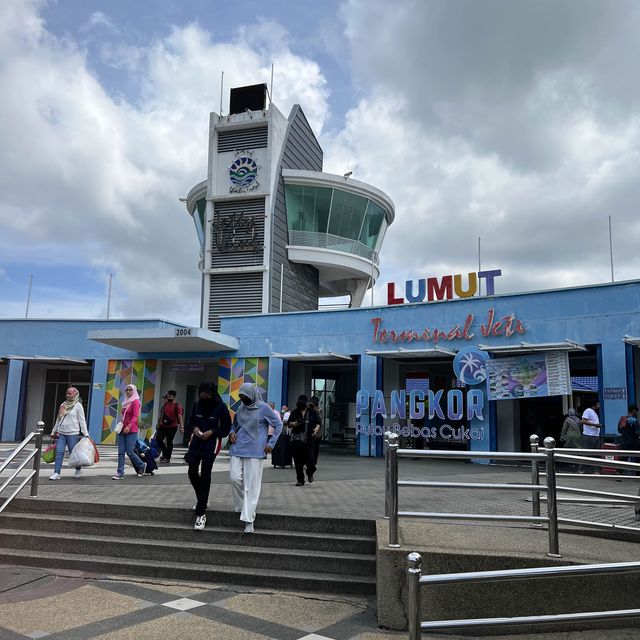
83	454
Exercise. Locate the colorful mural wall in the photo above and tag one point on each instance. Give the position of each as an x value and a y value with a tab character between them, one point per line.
232	372
120	373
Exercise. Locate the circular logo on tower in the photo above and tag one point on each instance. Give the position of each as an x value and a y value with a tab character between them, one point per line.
470	365
243	173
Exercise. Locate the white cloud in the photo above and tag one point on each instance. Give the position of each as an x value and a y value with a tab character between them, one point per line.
89	178
503	120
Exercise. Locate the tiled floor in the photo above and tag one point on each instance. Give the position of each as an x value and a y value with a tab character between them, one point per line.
79	608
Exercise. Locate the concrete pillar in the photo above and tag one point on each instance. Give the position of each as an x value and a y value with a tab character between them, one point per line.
12	400
96	407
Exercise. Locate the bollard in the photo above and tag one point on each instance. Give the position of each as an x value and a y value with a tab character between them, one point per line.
535	477
414	573
552	504
36	460
386	474
393	490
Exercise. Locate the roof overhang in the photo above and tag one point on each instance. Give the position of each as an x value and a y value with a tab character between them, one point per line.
48	359
524	347
312	357
170	340
412	354
633	341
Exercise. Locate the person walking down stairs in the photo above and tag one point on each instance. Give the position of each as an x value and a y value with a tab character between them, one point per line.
255	431
70	426
209	422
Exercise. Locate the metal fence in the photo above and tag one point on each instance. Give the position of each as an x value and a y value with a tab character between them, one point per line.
33	475
550	456
416	580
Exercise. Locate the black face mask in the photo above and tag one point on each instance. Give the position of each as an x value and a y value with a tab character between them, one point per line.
169	399
245	401
301	405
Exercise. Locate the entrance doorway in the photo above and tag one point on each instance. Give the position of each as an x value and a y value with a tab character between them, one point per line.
56	383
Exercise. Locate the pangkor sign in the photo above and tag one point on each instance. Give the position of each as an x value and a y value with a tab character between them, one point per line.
443	288
469	366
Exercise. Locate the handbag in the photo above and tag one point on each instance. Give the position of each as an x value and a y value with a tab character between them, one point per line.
298	437
118	427
49	454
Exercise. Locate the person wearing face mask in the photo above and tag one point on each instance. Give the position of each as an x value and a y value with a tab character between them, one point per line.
305	427
171	419
254	432
209	422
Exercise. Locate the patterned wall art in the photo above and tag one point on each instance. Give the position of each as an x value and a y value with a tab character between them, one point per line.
232	372
120	373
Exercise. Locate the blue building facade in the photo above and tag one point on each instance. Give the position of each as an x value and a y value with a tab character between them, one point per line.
593	330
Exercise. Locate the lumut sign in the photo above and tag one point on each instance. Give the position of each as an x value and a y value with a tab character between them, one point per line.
444	288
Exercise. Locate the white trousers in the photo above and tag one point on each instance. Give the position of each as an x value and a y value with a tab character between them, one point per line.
246	481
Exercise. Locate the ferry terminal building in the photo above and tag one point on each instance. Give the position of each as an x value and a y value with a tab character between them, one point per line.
276	235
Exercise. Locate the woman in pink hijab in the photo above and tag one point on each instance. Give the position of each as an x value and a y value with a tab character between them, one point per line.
129	434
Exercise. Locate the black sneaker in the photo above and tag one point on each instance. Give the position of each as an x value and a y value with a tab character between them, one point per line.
299	484
142	469
310	478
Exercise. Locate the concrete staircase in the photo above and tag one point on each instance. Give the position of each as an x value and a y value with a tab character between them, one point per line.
286	552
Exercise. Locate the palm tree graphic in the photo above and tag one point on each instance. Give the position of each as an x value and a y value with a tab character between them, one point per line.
471	367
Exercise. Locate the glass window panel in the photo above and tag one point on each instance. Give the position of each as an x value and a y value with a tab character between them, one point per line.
372	224
200	206
81	375
347	213
322	205
293	197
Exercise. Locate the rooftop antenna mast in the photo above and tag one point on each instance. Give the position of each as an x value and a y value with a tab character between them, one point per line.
221	88
271	89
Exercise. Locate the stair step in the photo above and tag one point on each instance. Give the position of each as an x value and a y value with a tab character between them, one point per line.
164	515
206	554
183	532
258	577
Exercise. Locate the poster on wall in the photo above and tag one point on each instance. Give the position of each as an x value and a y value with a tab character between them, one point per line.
534	376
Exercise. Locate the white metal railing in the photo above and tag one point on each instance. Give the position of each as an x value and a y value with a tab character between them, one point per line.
549	456
335	243
33	475
416	580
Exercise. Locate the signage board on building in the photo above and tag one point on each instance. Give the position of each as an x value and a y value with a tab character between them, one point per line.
186	366
530	376
443	288
614	393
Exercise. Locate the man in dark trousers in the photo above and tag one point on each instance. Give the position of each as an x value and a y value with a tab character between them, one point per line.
171	419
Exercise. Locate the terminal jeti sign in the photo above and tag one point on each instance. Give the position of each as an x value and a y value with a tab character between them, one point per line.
493	326
443	288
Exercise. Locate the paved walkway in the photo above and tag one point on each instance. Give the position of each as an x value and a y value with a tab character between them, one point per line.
74	606
345	486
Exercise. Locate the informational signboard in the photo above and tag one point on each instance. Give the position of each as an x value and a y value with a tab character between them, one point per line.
615	393
187	366
533	376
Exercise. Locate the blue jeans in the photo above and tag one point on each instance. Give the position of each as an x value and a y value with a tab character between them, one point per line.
69	441
126	442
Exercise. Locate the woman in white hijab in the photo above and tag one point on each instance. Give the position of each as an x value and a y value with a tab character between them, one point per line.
254	433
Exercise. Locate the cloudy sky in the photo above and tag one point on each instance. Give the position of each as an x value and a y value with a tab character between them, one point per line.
518	122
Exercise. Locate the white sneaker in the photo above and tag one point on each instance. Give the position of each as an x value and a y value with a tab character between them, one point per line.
78	473
248	527
195	506
54	476
200	522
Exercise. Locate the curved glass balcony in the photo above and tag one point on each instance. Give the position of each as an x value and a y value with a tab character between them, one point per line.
335	243
349	222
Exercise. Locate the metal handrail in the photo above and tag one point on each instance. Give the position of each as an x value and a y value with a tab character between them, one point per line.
416	579
393	452
33	475
549	455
